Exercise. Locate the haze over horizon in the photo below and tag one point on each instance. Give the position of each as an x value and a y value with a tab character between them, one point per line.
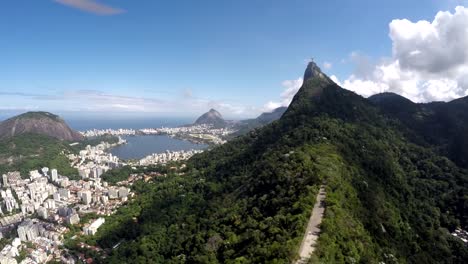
114	58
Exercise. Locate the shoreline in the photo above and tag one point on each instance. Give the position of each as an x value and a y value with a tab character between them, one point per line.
138	158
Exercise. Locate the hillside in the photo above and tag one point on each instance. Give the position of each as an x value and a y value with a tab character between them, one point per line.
42	123
244	126
268	117
211	117
28	152
388	199
442	125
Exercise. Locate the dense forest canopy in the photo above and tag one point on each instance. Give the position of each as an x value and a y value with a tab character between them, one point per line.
28	152
392	197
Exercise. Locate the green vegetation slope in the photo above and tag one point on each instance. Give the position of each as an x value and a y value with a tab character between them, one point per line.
28	152
388	199
439	124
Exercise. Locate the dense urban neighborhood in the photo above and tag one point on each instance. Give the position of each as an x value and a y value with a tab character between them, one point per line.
201	133
40	210
41	207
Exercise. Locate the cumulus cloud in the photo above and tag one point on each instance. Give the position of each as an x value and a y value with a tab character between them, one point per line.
91	6
290	89
429	60
327	65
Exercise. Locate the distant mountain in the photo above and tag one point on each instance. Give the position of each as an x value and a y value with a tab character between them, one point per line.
245	126
442	124
266	118
211	117
42	123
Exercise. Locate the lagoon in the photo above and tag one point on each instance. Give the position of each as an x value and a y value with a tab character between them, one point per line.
140	146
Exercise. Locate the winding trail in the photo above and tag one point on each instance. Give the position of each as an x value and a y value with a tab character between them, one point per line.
313	228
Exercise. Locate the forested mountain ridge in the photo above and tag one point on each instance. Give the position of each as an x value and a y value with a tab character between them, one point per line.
388	199
441	124
244	126
268	117
26	152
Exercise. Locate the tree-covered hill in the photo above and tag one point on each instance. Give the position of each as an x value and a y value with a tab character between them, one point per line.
389	199
442	125
244	126
28	152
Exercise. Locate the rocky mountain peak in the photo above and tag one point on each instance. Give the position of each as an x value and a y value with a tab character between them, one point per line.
313	71
212	117
43	123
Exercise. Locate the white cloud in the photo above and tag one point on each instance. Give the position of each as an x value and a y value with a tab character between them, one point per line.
363	87
327	65
290	89
336	80
184	103
270	106
429	60
91	6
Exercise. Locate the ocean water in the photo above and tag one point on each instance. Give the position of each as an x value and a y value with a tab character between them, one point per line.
135	123
138	147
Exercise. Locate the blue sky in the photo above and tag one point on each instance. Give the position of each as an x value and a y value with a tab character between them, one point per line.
179	58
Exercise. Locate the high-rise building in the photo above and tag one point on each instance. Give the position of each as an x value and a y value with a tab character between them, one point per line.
113	193
73	219
86	197
27	230
39	256
54	175
64	193
65	211
104	199
42	212
99	172
64	182
5	180
10	204
45	170
123	192
84	173
50	203
34	174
